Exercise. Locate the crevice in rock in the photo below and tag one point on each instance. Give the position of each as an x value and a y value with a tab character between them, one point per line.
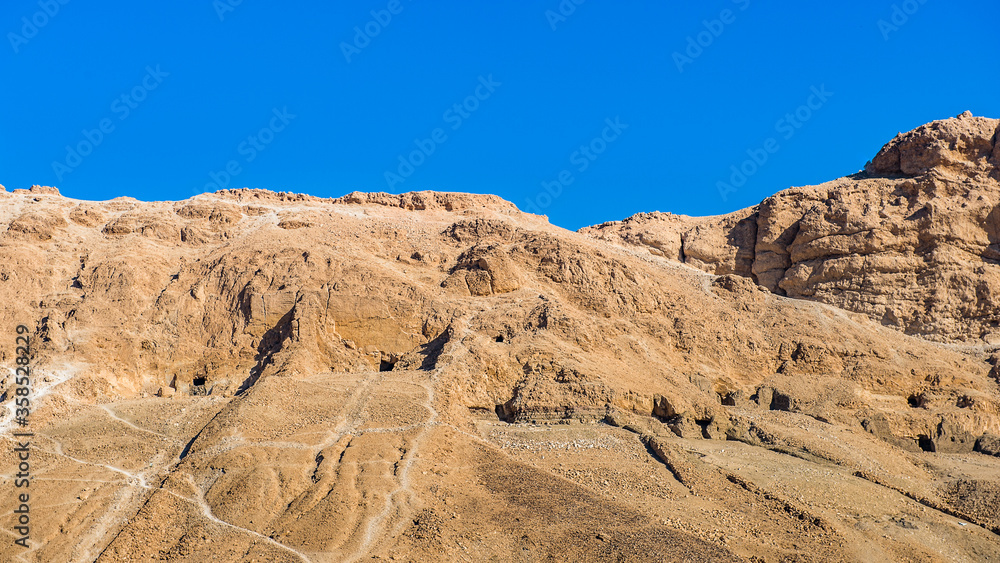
703	424
315	474
929	503
787	507
432	350
655	455
199	386
663	454
187	447
780	402
925	443
662	409
270	344
505	411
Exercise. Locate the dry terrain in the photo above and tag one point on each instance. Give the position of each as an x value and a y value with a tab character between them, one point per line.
259	376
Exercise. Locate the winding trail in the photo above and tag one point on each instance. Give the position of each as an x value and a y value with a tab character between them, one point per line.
114	416
138	480
131	489
378	523
206	511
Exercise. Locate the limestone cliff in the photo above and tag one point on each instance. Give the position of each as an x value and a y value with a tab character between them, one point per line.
912	242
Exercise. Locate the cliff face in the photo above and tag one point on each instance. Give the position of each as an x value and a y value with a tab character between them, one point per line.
436	376
912	242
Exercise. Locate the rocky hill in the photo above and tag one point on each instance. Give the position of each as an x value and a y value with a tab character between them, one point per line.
259	376
912	242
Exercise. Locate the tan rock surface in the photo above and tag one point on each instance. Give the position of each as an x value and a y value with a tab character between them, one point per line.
912	242
252	376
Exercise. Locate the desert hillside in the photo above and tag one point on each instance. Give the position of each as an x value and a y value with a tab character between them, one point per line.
911	242
260	376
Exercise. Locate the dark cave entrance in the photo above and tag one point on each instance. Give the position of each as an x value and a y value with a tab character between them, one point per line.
198	386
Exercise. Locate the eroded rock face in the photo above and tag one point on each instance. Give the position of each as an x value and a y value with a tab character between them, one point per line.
484	270
965	145
913	242
722	245
250	375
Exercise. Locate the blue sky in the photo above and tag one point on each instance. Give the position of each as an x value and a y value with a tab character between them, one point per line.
587	112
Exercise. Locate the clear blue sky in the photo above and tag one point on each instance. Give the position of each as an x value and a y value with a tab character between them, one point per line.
618	100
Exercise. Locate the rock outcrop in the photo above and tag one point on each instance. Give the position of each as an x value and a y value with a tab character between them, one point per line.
912	242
